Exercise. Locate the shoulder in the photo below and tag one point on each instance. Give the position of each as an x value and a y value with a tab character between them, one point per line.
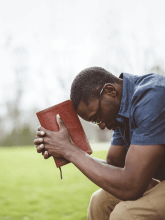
147	82
147	105
148	89
151	78
148	110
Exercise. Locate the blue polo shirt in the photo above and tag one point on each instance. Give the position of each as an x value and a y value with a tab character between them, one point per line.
142	112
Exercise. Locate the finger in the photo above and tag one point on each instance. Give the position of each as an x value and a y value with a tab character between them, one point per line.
40	133
40	128
60	122
40	148
46	155
38	141
49	155
36	137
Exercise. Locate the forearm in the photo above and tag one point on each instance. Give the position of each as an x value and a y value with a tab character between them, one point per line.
152	184
110	162
110	178
100	160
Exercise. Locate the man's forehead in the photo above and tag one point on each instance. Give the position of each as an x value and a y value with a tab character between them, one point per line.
82	110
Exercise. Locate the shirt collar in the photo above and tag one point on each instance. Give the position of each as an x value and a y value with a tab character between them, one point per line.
127	92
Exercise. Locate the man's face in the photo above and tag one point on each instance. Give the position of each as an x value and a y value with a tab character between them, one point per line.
105	113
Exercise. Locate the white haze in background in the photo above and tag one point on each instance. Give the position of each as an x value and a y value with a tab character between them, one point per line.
51	41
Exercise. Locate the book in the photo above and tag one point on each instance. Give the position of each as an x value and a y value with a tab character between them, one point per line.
47	119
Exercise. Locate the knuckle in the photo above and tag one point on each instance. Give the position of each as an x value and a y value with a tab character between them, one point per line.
40	133
40	148
35	141
40	139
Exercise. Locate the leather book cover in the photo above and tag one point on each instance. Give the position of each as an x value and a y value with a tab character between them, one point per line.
47	119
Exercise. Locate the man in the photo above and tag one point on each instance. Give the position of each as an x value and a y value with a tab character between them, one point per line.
132	179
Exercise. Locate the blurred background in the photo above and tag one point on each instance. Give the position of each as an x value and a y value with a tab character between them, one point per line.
44	44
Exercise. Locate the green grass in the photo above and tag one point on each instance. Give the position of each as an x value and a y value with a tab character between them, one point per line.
31	188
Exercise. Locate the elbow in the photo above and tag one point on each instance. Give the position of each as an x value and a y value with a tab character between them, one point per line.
133	189
133	193
130	196
126	196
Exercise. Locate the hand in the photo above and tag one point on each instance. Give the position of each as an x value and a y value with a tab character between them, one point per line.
38	141
56	144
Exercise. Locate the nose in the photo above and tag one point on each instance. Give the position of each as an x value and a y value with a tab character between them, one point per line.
102	125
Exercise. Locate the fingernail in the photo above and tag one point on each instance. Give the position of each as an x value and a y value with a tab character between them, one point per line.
58	116
42	132
40	139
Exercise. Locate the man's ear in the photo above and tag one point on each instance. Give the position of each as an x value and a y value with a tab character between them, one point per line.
109	89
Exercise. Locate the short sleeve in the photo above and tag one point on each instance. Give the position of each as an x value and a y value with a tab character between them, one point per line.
117	138
148	117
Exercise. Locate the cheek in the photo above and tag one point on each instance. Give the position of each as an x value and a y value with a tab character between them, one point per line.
109	113
109	118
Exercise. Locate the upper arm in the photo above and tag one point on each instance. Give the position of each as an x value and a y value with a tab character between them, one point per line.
117	151
117	138
116	155
141	164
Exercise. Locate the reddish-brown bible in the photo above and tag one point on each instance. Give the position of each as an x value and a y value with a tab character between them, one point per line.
47	119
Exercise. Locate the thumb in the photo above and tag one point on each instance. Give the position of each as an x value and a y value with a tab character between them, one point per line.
59	122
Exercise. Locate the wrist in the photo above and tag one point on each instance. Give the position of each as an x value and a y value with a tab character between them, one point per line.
72	152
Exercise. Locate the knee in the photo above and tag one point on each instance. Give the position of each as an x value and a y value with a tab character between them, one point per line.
120	212
94	202
96	205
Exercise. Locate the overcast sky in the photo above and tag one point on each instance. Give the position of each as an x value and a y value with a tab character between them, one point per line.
54	40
